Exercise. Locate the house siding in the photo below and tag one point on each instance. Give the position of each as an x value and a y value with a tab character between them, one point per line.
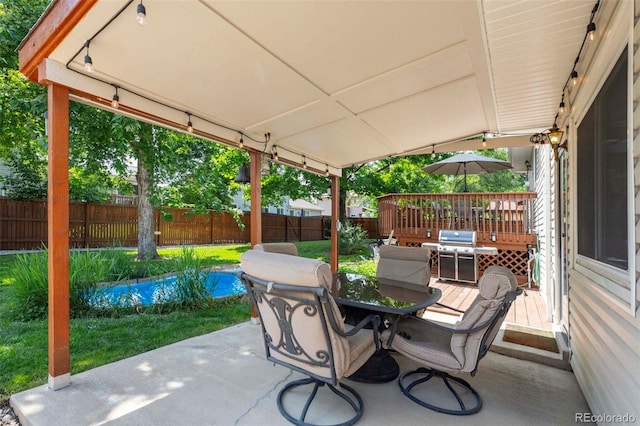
606	353
605	329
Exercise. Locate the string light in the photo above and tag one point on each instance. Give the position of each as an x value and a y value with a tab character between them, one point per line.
590	35
591	31
141	14
326	171
241	143
484	140
304	162
274	153
115	102
433	152
88	63
189	124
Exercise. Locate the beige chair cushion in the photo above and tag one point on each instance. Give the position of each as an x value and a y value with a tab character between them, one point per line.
349	353
404	266
427	345
361	347
494	284
282	248
286	269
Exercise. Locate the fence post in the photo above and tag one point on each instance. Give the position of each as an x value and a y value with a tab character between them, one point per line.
211	221
286	228
86	225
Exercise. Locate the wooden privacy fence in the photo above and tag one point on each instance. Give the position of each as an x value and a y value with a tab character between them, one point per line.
23	225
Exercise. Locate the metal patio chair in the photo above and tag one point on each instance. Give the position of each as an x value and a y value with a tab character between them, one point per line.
303	330
458	349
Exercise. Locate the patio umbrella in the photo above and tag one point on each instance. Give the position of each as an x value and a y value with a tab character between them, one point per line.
467	163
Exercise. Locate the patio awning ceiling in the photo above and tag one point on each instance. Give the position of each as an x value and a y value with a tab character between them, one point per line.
338	82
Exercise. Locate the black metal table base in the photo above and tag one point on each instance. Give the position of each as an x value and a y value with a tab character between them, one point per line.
380	368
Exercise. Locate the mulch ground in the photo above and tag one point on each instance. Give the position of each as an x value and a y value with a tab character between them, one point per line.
7	416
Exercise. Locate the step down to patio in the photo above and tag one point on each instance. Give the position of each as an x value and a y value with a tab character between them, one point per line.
532	344
528	343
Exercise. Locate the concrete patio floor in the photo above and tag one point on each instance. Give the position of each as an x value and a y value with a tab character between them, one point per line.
222	378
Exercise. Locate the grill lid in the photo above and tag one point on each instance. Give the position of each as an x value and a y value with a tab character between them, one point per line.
454	237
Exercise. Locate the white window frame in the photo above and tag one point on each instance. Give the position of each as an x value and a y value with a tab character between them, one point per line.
617	282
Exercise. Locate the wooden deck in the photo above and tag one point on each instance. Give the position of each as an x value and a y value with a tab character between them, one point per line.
501	220
528	309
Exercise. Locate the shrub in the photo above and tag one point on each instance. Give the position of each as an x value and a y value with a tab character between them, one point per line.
191	290
86	269
121	263
350	238
29	291
28	295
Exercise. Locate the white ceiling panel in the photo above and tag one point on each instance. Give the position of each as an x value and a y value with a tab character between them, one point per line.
341	82
305	118
337	44
204	64
434	70
417	121
342	138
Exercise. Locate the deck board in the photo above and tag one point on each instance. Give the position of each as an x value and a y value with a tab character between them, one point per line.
529	310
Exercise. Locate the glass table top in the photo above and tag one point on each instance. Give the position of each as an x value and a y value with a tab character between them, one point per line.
382	296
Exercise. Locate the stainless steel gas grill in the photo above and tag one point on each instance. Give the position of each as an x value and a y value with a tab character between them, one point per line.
458	255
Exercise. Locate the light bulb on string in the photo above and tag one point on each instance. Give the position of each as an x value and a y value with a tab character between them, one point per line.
241	143
484	140
304	162
433	152
141	14
561	108
115	102
189	124
574	77
591	31
88	63
274	155
326	171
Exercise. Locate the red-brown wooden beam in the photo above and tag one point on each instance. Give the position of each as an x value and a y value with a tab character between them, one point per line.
57	22
256	204
58	234
335	217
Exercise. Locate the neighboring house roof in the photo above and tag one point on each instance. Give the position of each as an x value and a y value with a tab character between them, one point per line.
303	205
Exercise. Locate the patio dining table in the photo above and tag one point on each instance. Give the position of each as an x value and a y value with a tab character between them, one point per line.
360	296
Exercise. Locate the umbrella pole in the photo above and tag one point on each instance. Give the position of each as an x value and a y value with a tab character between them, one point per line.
465	177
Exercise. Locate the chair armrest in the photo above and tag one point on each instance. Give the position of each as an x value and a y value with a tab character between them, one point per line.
504	306
372	319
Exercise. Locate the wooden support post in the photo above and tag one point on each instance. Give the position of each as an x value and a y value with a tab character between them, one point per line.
256	211
335	217
58	233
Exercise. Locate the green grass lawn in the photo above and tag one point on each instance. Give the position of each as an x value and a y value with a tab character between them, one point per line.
98	341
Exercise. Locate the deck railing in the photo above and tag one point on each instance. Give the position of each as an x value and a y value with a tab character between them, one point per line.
495	216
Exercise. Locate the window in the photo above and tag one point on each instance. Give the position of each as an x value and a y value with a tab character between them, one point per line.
602	173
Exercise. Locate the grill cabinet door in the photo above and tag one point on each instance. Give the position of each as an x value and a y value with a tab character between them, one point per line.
447	265
467	268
